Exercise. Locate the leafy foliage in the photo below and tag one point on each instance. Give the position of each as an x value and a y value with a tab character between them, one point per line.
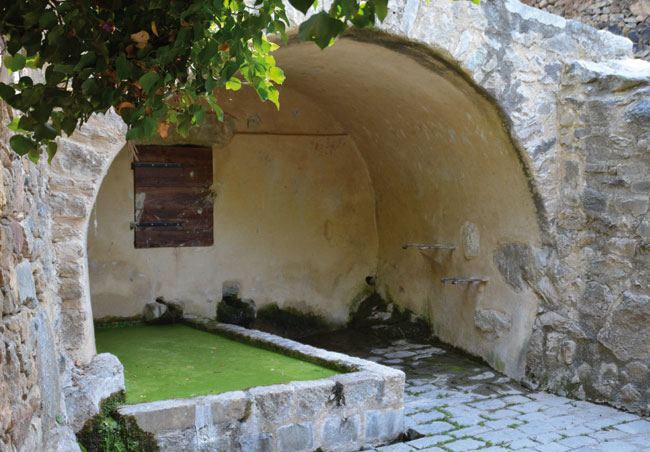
157	62
109	431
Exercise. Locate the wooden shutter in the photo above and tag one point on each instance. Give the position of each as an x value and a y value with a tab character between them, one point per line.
173	197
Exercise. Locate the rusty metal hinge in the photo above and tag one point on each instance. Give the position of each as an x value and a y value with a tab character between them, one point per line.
159	224
135	165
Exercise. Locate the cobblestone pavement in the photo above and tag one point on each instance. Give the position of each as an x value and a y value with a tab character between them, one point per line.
461	405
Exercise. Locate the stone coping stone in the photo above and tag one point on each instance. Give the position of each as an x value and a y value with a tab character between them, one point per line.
345	412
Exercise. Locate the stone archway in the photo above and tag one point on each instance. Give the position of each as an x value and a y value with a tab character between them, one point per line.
436	150
522	63
75	177
86	156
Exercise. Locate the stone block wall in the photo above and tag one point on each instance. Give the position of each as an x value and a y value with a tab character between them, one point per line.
44	393
32	409
593	341
629	18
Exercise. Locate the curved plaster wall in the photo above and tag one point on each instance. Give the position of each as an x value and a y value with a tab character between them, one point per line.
307	206
439	157
294	221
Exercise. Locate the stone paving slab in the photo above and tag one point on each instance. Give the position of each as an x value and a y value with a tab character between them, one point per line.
462	405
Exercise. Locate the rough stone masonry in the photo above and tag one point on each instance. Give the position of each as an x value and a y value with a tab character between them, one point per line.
577	107
629	18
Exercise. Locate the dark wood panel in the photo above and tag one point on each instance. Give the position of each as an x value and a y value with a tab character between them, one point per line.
187	156
157	238
174	215
175	195
155	177
185	205
160	192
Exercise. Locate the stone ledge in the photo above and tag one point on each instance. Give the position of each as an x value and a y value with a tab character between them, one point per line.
339	413
89	385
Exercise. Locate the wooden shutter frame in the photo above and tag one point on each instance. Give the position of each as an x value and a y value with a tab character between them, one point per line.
177	207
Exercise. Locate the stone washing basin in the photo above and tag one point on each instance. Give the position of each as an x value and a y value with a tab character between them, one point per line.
344	412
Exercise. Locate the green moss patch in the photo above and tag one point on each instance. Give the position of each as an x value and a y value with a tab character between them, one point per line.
177	361
109	431
289	322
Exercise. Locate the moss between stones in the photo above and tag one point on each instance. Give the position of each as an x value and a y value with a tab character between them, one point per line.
394	323
109	431
117	322
499	365
233	310
289	322
365	291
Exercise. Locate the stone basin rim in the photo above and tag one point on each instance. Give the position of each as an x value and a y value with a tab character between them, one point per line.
351	365
360	407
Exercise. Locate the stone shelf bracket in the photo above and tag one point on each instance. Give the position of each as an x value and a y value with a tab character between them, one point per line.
423	247
455	281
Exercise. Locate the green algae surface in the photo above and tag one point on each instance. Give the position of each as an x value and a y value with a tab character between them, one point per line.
177	361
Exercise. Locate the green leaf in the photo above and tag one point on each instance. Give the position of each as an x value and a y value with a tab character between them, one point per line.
381	9
149	127
123	67
21	144
274	96
85	60
69	125
53	77
321	28
46	131
208	52
33	62
212	101
51	150
15	63
42	112
34	155
198	114
26	123
26	81
47	19
31	18
229	70
262	92
129	115
55	36
210	84
172	116
13	46
134	133
63	68
13	125
89	87
32	96
148	80
7	92
183	128
233	84
277	75
302	5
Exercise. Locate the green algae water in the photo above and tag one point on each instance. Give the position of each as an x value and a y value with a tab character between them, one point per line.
177	361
